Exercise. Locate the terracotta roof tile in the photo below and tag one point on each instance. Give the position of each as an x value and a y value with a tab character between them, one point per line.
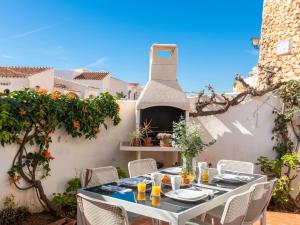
134	84
92	75
20	72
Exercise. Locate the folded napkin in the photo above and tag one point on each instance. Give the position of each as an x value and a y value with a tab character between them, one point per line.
134	181
187	194
113	188
233	177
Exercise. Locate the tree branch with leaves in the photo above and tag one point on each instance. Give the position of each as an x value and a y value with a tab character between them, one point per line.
29	118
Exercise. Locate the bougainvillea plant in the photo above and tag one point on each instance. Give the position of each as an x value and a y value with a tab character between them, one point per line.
30	118
286	165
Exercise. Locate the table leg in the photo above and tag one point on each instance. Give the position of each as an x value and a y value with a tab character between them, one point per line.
138	154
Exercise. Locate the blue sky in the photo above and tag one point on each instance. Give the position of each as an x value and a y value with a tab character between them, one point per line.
213	37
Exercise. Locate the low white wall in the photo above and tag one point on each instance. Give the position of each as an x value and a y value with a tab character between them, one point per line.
13	83
73	154
242	133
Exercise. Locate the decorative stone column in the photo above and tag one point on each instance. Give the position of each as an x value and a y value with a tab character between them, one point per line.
280	39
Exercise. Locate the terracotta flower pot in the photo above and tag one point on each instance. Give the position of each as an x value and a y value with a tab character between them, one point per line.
135	142
148	141
165	143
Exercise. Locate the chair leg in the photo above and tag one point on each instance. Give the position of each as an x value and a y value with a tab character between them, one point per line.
263	218
203	217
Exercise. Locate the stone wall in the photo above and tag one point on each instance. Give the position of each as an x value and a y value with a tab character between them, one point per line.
280	38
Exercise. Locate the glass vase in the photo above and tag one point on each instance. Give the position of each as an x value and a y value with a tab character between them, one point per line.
188	167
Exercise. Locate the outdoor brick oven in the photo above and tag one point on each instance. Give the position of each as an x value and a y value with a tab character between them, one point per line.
162	100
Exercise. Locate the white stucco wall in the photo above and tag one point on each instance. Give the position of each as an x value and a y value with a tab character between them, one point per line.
44	79
73	154
82	90
117	85
103	84
242	133
14	83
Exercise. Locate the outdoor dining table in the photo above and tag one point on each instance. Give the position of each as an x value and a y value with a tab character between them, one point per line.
173	211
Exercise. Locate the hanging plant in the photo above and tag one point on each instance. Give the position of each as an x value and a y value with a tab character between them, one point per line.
31	117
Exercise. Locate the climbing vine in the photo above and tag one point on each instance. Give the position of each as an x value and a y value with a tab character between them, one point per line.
286	166
29	118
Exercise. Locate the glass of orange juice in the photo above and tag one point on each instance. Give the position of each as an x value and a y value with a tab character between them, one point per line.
204	175
155	190
141	187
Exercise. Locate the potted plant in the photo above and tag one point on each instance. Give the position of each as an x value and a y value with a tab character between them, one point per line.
136	137
164	139
187	137
146	130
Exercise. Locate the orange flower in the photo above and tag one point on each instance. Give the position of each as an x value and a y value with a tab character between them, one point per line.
76	124
42	91
22	112
14	179
55	94
47	155
72	95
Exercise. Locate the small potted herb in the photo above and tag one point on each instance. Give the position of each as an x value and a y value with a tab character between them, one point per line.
146	130
136	137
164	139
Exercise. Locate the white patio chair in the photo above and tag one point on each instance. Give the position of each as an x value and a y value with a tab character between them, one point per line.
97	176
258	204
141	167
235	210
95	212
237	166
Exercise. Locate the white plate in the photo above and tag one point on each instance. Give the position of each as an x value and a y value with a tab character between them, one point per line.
173	170
187	195
232	178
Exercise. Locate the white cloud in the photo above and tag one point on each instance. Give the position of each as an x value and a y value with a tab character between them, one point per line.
30	32
98	63
5	56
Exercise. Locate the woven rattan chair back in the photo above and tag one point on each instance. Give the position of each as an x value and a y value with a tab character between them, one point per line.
236	208
237	166
141	167
96	212
259	200
98	176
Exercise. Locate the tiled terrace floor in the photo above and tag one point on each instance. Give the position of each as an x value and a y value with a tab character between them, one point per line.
273	218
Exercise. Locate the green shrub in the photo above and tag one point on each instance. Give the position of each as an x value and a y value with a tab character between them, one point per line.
66	202
11	214
121	173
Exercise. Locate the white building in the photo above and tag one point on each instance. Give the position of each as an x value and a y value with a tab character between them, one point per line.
83	91
101	81
84	83
18	78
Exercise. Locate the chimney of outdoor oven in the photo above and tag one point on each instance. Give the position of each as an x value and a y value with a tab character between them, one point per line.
163	62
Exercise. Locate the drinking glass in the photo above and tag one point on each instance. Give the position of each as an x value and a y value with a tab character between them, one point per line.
204	175
141	187
175	182
211	173
156	179
155	190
